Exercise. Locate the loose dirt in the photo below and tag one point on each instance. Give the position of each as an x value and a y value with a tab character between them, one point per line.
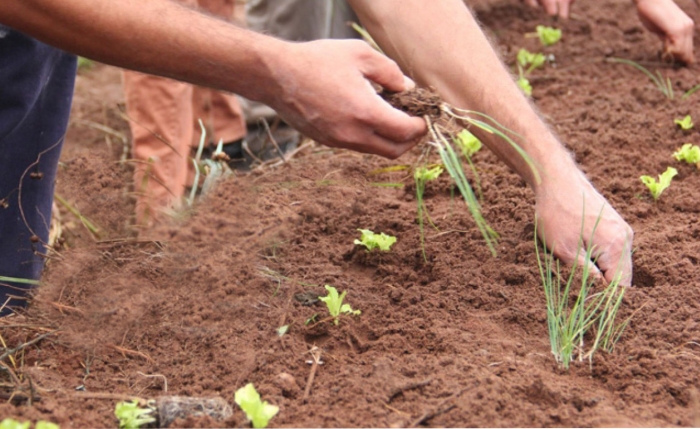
459	340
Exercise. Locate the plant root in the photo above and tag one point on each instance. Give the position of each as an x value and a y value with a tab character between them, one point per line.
416	102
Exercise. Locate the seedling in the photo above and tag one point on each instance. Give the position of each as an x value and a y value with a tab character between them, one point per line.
689	153
372	241
548	35
524	84
422	175
663	85
468	143
335	305
685	124
656	188
14	424
567	322
132	416
258	412
530	60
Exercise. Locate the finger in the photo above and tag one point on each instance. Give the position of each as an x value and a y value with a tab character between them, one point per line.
564	6
378	145
532	3
394	124
383	71
551	6
593	270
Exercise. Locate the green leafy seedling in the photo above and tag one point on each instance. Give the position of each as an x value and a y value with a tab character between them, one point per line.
335	305
43	424
524	84
258	412
14	424
656	188
372	241
548	35
131	416
689	153
468	143
530	60
685	123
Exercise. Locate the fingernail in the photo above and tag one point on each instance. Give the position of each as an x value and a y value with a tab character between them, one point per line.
408	83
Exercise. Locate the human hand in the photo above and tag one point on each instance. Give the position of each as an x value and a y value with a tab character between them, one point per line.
563	217
324	89
558	8
671	24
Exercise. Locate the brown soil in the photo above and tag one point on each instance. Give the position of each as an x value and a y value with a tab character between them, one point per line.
460	340
416	102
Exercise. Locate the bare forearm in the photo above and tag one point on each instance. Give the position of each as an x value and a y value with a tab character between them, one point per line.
440	44
155	36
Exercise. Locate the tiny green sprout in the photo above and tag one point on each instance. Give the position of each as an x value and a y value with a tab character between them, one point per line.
259	412
548	35
311	319
43	424
685	123
689	153
131	416
14	424
468	143
335	305
428	174
282	330
530	60
524	84
371	240
656	188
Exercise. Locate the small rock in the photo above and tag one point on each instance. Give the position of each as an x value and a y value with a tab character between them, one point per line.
288	384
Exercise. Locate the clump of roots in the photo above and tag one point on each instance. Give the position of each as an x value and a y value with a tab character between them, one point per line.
419	102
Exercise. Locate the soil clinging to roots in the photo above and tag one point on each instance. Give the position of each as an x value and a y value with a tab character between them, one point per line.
416	102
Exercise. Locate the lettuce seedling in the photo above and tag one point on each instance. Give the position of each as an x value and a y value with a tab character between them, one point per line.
335	305
689	153
258	412
14	424
524	84
530	60
685	123
43	424
548	35
656	188
131	416
468	143
371	240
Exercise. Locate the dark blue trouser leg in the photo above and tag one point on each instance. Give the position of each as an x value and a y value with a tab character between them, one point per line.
36	90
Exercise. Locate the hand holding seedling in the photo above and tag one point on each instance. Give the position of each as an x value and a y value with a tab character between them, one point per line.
672	25
568	210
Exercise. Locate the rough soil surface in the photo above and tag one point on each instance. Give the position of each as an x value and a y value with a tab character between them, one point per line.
459	340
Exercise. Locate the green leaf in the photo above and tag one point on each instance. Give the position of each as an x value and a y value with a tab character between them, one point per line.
468	143
259	412
530	60
656	188
548	35
43	424
282	330
524	84
131	416
427	174
335	305
14	424
689	153
685	123
372	241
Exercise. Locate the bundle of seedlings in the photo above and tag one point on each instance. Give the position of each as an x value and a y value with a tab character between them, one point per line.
444	123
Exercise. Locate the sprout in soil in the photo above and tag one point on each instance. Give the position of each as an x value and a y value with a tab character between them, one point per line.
685	124
441	118
530	60
132	416
373	240
422	175
259	412
689	153
15	424
548	35
572	312
663	85
335	305
656	188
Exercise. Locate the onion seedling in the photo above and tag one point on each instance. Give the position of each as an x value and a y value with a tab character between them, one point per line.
663	85
259	412
571	313
685	124
689	153
656	188
422	175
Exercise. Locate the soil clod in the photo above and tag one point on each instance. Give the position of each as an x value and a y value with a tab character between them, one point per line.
416	102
